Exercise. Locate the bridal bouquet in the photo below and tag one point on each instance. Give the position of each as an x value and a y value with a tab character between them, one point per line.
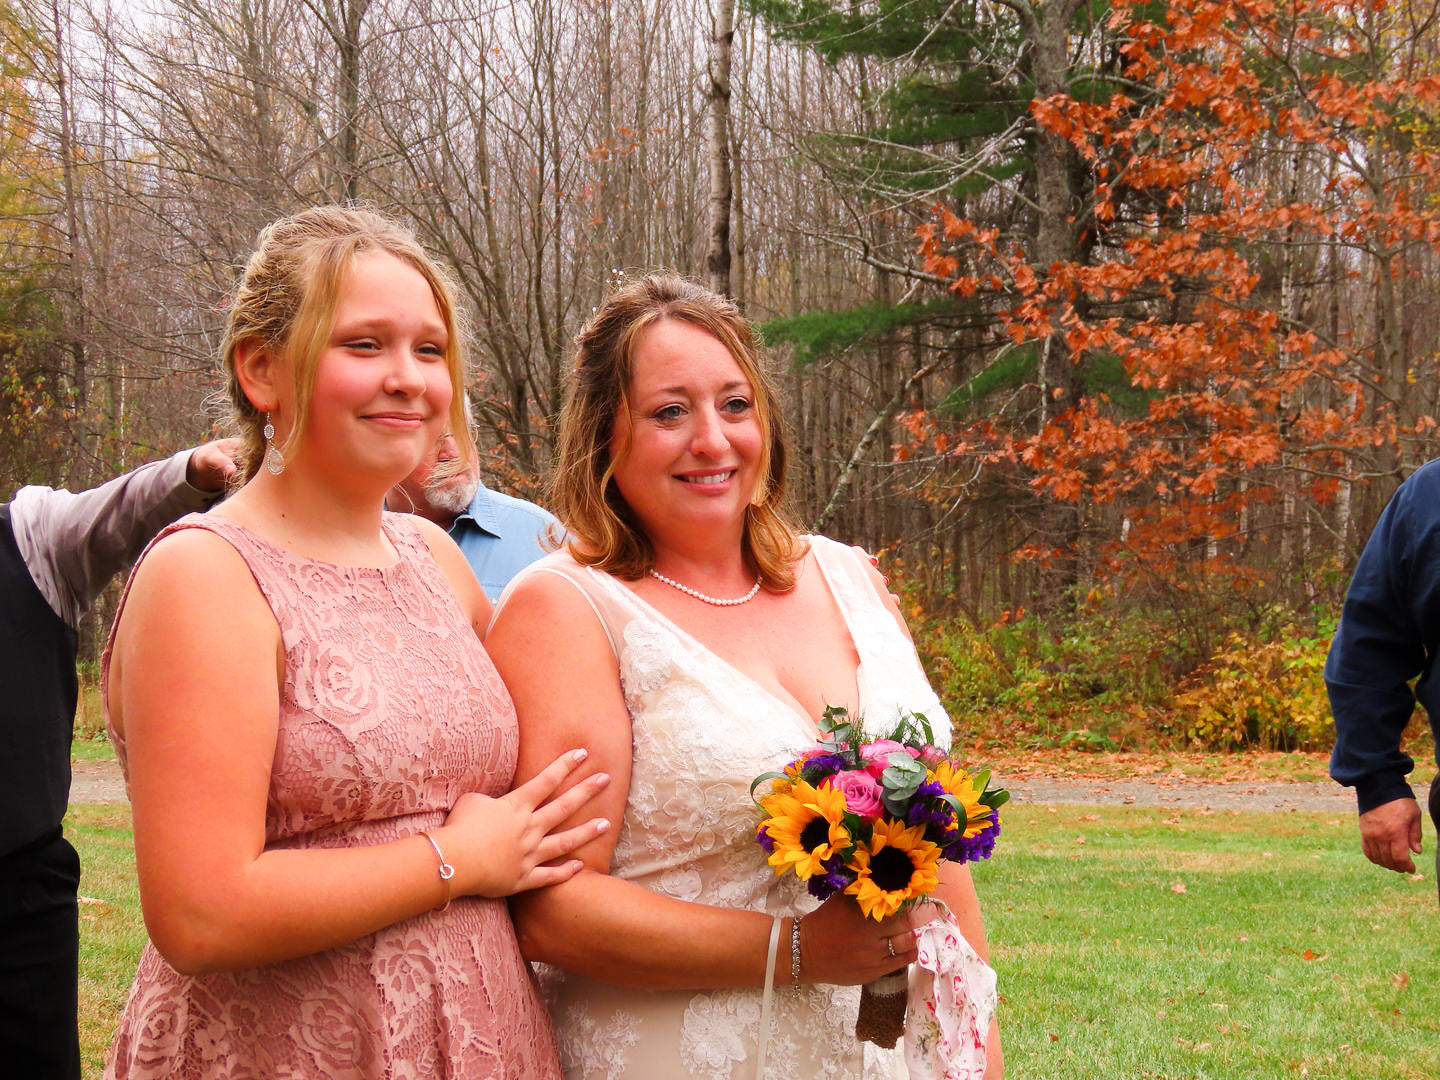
873	815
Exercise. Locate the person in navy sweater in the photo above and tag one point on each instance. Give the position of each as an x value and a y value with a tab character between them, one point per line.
1388	635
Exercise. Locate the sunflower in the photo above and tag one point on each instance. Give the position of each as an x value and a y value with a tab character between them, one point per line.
961	784
898	865
806	827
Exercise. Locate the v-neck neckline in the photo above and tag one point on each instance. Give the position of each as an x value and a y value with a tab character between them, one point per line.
810	726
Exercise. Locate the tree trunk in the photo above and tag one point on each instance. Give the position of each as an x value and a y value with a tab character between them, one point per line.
717	254
74	285
1055	242
349	45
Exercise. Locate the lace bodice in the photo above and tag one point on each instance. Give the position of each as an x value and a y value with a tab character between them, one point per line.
390	709
701	732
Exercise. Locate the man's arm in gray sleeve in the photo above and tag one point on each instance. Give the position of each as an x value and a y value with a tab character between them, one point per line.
73	544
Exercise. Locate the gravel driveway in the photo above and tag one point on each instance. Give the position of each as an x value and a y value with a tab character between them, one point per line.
100	782
1191	794
96	782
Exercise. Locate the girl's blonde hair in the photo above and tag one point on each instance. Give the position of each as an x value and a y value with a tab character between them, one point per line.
603	529
286	302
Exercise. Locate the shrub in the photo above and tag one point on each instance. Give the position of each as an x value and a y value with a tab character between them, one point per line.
1265	693
1121	672
1088	683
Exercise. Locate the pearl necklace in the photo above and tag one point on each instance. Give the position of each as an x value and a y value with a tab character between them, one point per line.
698	595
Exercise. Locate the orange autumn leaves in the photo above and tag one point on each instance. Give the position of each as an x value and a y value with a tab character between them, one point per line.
1237	394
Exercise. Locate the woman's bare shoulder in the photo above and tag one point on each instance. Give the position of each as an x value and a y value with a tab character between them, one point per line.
547	590
197	557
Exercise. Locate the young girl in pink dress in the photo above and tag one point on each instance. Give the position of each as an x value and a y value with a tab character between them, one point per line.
317	746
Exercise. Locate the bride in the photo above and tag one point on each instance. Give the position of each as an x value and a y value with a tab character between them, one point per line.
690	639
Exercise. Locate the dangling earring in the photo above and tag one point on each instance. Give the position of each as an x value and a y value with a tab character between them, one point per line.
274	460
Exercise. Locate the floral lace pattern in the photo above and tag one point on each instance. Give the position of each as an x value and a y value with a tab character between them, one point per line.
599	1043
390	710
701	731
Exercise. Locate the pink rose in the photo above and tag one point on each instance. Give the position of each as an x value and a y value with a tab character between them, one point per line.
877	754
932	756
862	792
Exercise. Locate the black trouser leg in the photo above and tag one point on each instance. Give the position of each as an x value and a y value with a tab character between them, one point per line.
39	961
1435	817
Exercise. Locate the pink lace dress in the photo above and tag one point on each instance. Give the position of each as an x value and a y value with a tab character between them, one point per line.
390	710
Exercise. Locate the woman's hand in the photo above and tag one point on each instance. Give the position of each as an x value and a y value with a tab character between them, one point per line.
505	845
840	945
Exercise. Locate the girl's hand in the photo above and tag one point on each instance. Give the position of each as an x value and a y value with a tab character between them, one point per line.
505	845
840	945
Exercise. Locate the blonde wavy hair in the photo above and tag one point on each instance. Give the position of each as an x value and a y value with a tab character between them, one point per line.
286	301
603	530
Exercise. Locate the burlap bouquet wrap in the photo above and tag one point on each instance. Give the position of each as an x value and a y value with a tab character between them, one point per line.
882	1009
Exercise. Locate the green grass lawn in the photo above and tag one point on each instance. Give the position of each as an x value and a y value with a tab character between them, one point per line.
1181	944
97	748
1131	944
112	932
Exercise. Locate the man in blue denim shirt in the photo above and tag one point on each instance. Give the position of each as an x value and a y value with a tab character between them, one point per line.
499	534
1389	633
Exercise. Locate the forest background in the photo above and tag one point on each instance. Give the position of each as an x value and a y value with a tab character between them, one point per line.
1111	326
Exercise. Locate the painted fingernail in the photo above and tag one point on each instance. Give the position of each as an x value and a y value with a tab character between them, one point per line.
603	825
580	755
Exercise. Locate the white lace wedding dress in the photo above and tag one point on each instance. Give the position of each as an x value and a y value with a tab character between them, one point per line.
702	731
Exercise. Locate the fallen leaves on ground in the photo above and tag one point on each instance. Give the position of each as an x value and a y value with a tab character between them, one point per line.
1161	769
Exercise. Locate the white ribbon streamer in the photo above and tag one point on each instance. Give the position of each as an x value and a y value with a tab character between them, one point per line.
764	1039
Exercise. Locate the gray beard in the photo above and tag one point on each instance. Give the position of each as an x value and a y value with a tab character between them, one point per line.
452	494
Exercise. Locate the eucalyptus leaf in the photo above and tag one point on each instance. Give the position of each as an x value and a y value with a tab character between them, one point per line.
901	783
907	764
896	806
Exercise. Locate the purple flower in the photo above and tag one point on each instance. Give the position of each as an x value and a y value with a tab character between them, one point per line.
929	809
979	846
763	835
820	887
833	880
821	766
942	816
